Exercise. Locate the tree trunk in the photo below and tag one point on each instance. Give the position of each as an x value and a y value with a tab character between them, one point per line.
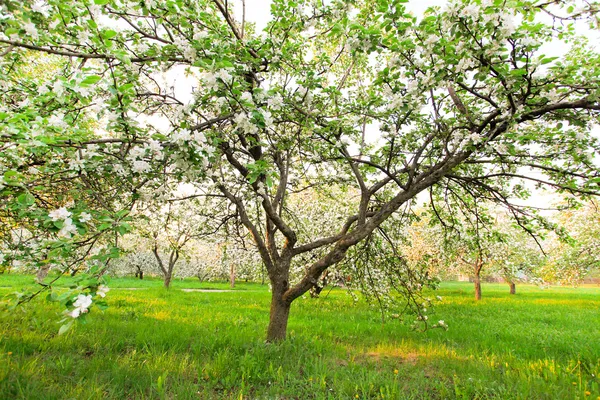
167	281
280	311
231	275
513	287
477	281
280	308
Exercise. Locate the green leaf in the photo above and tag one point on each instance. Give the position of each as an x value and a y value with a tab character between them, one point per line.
109	34
101	2
90	80
26	199
65	328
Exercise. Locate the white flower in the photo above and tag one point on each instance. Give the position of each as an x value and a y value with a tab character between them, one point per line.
31	30
275	102
182	136
83	36
267	117
68	229
52	25
140	166
210	80
200	35
102	290
247	97
472	10
119	169
1	258
155	146
136	152
40	8
76	164
58	88
84	217
199	137
81	305
58	121
501	148
58	214
243	122
189	52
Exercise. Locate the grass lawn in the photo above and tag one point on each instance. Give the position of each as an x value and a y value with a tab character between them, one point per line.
170	344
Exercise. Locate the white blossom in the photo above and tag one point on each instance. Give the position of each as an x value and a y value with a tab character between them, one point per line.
58	88
40	8
141	166
102	290
275	102
210	80
181	136
247	97
68	229
84	217
200	35
31	30
59	214
81	304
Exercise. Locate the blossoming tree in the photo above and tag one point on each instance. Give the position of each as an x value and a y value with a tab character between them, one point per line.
357	94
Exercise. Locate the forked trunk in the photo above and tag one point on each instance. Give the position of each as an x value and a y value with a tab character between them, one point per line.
513	287
280	311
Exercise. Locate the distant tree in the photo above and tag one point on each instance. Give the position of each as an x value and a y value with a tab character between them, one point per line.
571	259
172	227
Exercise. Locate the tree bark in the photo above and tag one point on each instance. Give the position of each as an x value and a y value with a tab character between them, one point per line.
231	275
513	287
278	320
280	307
477	282
167	281
477	277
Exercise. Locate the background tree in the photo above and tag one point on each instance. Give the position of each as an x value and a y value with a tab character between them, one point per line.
170	228
574	257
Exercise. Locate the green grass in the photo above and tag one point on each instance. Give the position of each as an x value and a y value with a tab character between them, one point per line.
16	281
154	343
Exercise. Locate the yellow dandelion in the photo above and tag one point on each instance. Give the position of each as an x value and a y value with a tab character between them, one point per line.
395	372
9	353
587	393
